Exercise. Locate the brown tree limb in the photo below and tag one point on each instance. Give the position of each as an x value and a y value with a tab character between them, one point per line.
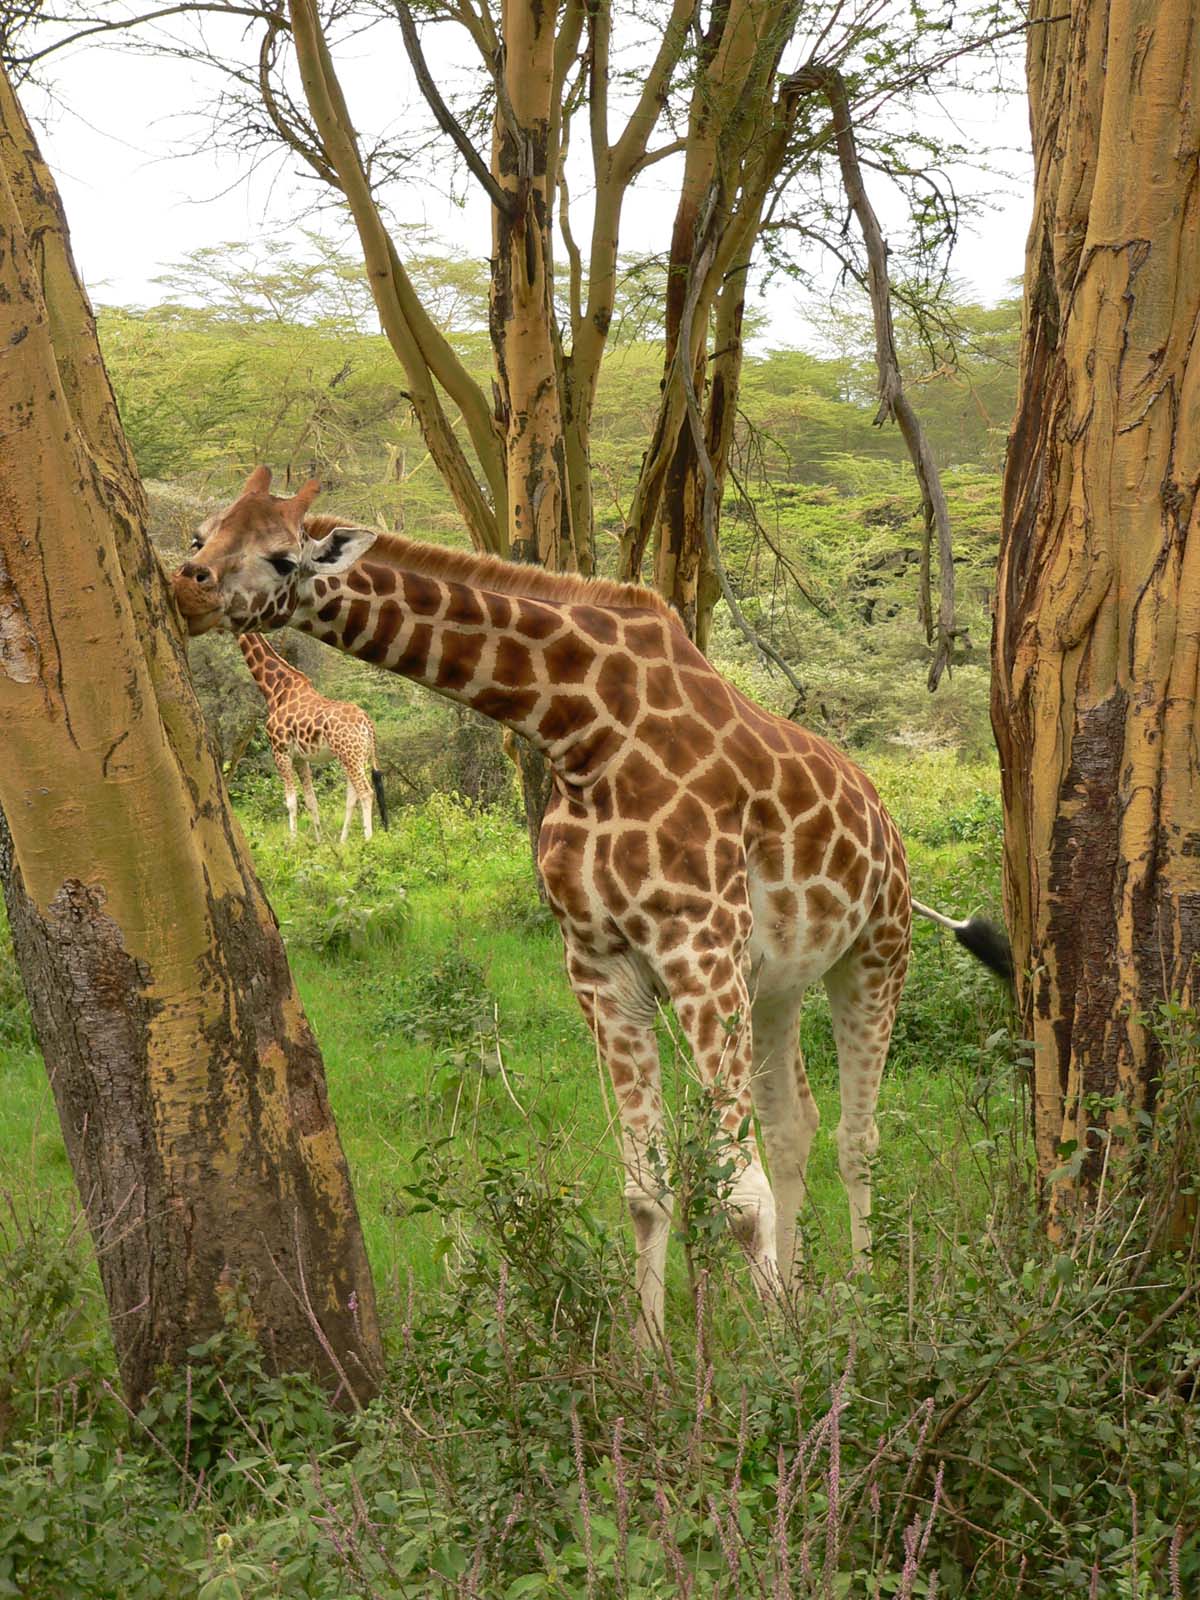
446	119
706	247
422	349
893	402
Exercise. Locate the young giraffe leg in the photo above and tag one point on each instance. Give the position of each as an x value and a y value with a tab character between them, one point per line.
283	764
310	797
360	776
718	1028
618	1001
863	1002
787	1114
366	789
349	816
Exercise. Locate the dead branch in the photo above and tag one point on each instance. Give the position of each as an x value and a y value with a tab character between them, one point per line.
706	245
893	402
446	120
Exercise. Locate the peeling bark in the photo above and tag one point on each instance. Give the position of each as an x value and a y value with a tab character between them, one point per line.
189	1087
1097	628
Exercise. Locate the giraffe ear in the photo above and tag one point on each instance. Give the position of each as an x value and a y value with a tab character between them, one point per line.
339	549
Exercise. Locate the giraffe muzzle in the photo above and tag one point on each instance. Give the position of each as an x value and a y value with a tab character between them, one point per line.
197	602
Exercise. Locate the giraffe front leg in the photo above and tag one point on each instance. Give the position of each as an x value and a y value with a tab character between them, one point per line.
715	1015
283	764
620	1008
310	797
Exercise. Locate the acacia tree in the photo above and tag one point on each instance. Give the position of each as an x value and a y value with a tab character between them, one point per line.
591	95
1097	635
189	1086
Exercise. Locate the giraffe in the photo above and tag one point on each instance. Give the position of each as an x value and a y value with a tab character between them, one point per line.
300	722
696	849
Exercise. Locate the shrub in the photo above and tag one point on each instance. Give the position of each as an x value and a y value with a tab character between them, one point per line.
16	1025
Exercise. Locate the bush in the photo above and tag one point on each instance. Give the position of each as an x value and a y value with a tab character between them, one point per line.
16	1025
448	1006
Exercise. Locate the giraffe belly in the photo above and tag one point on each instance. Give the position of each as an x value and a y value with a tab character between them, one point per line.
800	930
308	743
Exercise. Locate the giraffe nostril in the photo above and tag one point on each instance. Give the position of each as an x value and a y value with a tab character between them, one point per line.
200	575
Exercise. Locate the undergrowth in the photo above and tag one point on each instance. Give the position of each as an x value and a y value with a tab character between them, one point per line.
984	1414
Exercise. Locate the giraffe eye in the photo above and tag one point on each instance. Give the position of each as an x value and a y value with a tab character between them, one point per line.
284	565
198	542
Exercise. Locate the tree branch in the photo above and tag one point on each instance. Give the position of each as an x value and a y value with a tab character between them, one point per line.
445	117
123	24
893	402
706	245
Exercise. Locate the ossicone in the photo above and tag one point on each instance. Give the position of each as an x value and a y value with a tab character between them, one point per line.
259	481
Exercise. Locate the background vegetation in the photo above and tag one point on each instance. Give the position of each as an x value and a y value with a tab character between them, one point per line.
985	1413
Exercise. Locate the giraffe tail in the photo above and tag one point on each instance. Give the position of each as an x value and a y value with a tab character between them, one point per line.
985	941
377	785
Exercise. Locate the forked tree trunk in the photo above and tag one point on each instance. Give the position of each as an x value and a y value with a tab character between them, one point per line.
1097	636
522	316
189	1086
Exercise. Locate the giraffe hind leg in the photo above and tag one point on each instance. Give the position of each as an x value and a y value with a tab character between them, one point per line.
787	1114
366	795
351	797
863	1004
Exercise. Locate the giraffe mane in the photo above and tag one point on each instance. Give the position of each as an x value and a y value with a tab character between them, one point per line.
260	642
501	577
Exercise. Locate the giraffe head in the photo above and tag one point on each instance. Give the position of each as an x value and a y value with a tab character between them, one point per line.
253	563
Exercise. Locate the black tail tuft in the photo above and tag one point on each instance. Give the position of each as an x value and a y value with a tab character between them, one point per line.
377	785
988	944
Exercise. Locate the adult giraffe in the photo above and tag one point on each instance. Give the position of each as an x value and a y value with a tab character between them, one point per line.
695	849
301	722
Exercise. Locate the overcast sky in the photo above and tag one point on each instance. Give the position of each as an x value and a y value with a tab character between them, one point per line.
116	126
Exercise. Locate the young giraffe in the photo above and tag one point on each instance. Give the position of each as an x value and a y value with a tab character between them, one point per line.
695	849
301	722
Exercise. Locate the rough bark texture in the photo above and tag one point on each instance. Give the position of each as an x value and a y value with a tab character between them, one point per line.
737	137
189	1086
523	324
1097	636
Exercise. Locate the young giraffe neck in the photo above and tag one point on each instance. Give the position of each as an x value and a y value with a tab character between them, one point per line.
558	671
267	667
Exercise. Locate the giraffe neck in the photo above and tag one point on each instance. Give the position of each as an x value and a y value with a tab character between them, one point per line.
555	671
270	671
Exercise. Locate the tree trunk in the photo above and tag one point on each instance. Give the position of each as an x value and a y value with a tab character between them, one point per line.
522	310
1097	634
189	1086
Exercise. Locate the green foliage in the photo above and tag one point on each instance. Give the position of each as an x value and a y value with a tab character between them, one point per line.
448	1007
16	1028
335	899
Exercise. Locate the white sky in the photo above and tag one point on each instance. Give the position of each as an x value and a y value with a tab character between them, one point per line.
115	129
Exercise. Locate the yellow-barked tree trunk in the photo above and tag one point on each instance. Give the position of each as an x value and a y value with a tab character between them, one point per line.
1097	635
189	1086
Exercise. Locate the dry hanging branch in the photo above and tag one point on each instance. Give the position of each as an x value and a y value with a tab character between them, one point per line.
893	402
445	117
706	244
